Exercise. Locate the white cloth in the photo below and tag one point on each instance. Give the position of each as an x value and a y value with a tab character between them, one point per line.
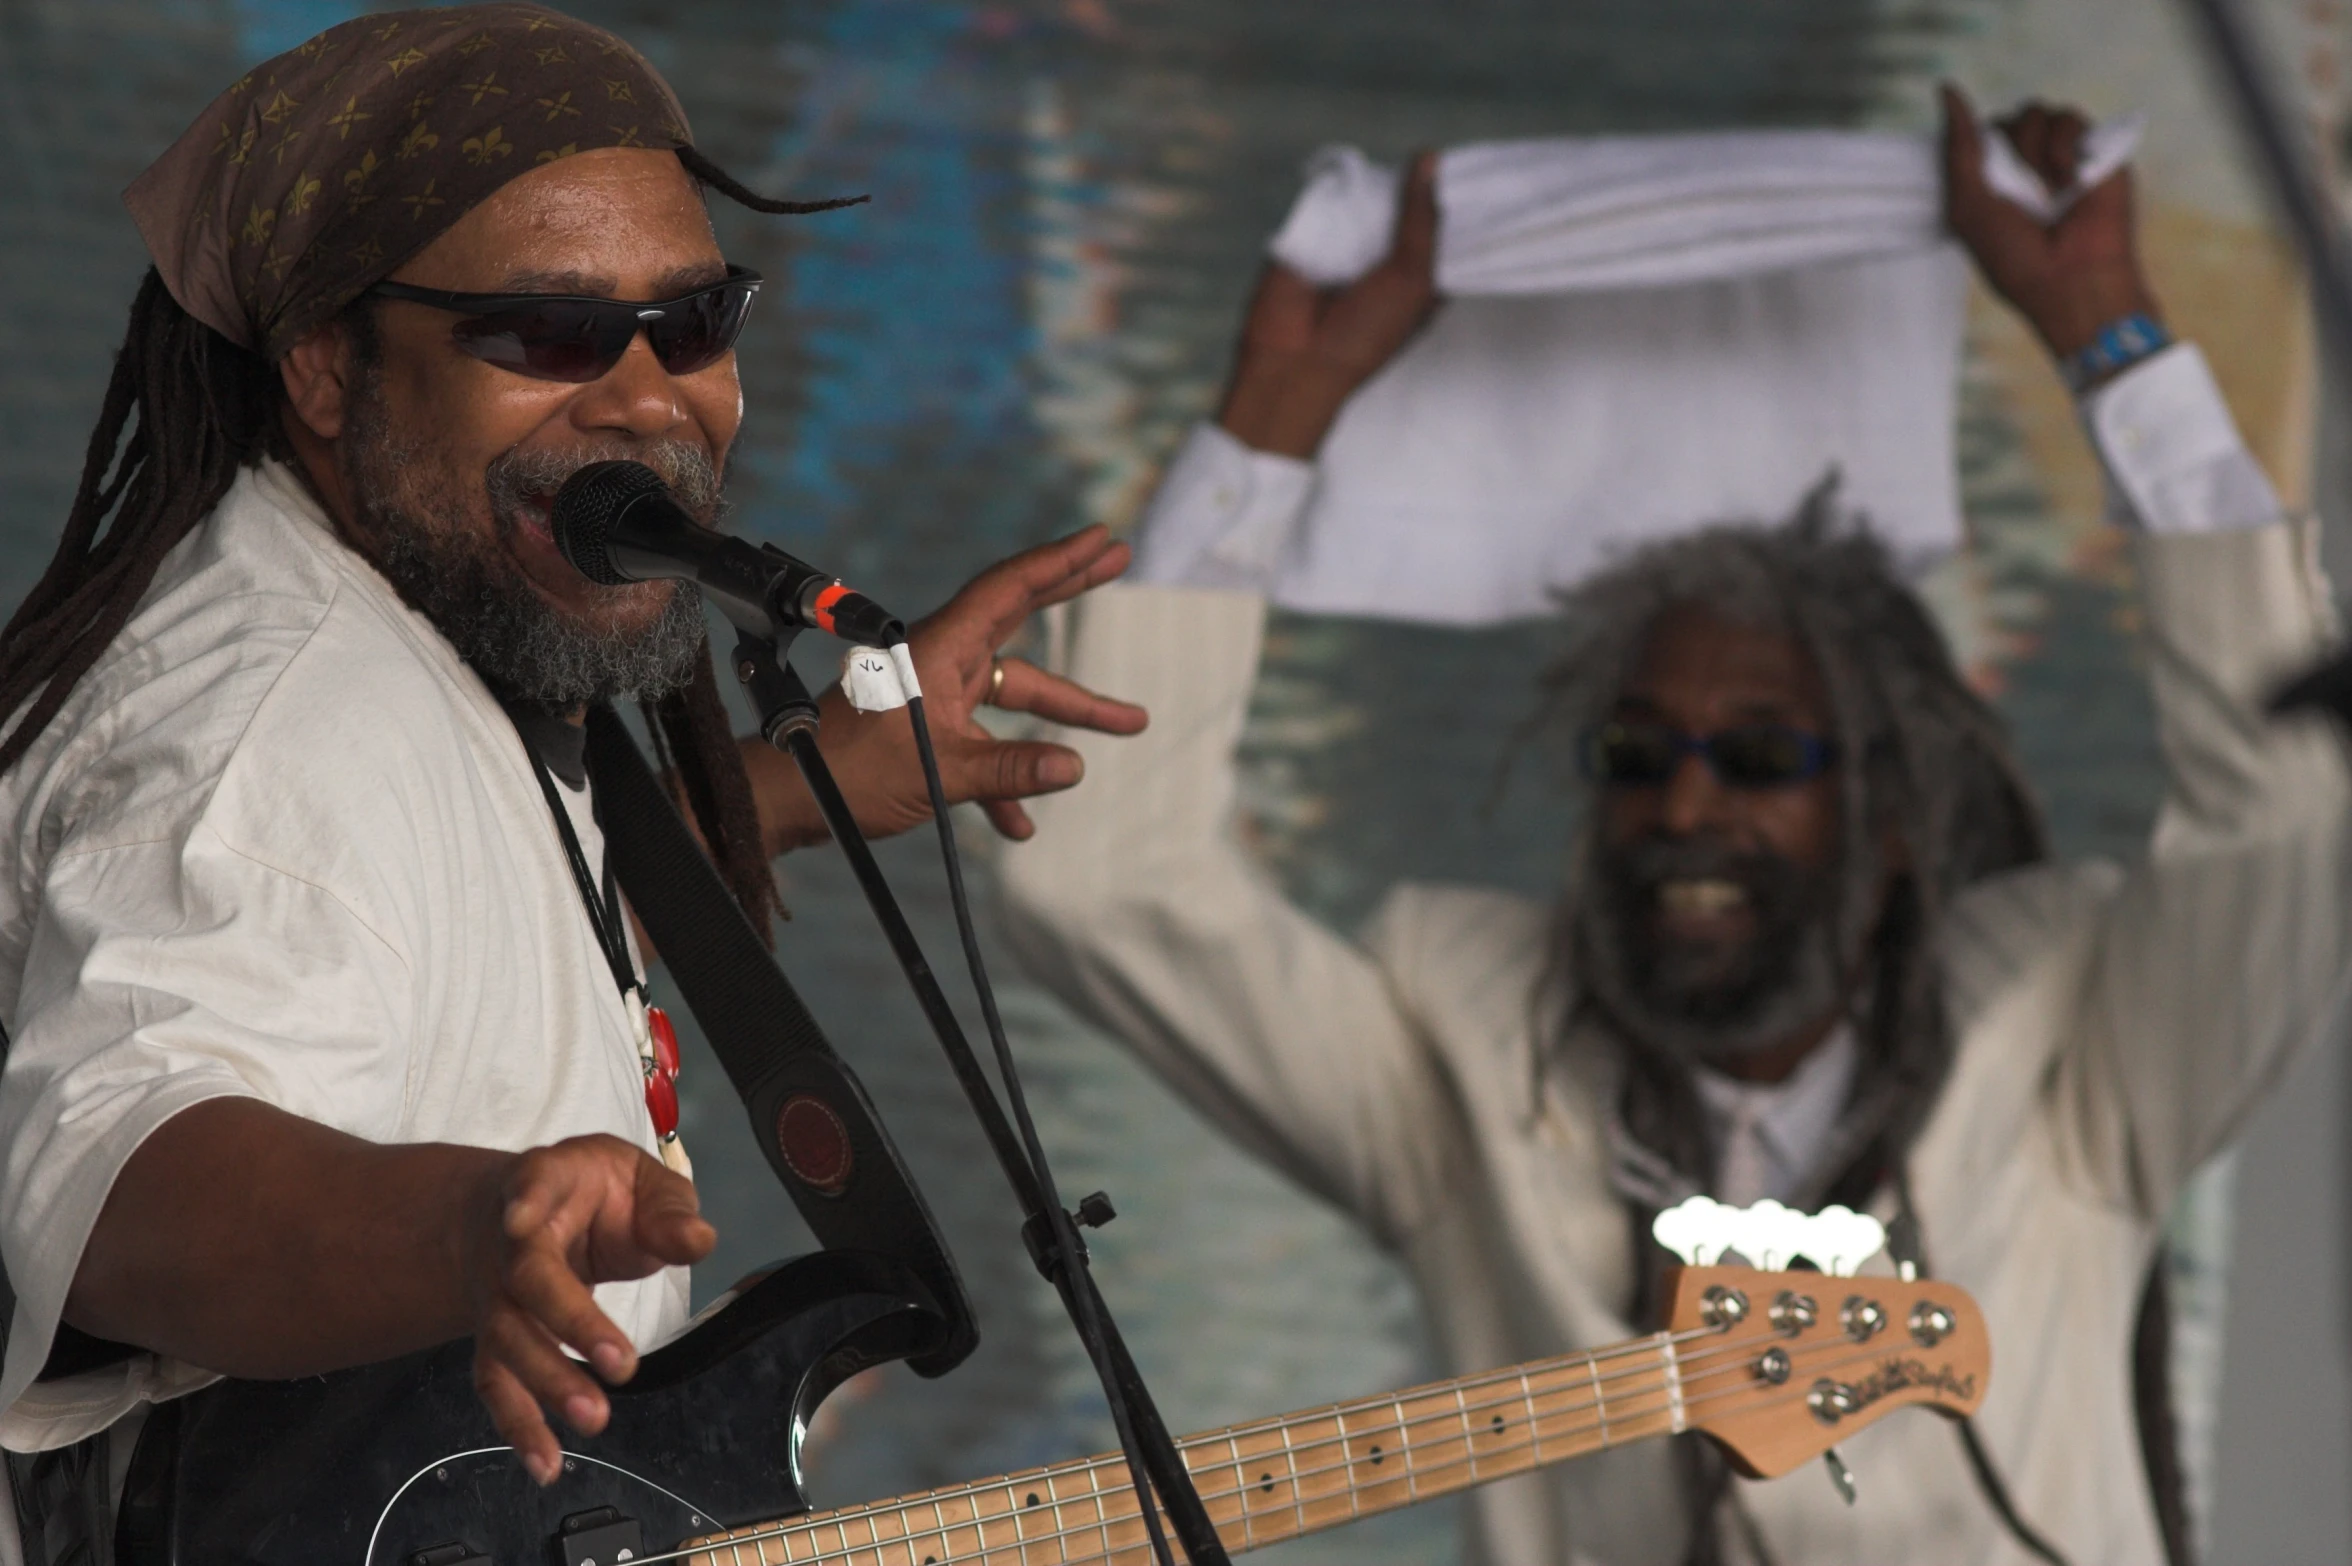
1225	515
1768	1134
282	843
1641	335
2113	1027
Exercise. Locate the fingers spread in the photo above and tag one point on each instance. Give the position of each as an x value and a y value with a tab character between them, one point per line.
1009	819
1027	688
516	1414
993	604
542	1284
510	1341
986	769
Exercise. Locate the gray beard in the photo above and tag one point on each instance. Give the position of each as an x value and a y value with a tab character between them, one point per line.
471	589
1692	1009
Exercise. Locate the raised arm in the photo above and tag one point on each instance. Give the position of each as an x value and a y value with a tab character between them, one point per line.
2225	950
1136	902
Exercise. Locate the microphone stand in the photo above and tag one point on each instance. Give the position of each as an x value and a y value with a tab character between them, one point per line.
788	718
2317	227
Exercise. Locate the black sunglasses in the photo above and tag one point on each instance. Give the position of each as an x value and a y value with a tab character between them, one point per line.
1637	753
578	337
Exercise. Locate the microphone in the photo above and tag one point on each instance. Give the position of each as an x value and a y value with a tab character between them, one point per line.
618	522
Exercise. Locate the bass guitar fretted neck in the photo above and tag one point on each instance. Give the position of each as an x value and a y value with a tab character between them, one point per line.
1776	1367
396	1464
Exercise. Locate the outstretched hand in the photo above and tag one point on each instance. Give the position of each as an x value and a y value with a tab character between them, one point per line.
2068	278
544	1231
872	755
1305	350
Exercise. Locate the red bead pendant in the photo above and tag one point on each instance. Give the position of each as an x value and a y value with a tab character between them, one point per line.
665	1041
661	1074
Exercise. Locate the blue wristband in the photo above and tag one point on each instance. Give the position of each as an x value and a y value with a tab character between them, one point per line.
2120	344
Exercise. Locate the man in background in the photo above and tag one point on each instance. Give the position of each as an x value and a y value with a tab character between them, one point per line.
1811	947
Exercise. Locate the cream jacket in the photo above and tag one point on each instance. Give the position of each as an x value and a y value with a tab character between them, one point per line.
2115	1025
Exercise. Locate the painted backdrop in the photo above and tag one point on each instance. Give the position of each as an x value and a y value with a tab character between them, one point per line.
1069	198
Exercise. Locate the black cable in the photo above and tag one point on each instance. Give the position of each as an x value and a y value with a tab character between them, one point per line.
2282	154
788	719
1907	1242
1065	1233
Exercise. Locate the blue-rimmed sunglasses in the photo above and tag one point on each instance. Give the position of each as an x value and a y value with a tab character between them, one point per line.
1634	753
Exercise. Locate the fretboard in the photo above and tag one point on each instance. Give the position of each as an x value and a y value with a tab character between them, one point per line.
1262	1482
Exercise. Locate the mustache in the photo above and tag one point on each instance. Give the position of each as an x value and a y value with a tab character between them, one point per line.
524	475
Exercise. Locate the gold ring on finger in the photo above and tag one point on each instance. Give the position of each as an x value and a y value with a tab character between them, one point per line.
995	680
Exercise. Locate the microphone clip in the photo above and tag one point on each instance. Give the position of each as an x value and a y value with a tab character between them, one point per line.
777	692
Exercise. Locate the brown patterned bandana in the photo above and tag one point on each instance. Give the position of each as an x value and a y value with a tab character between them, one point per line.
325	169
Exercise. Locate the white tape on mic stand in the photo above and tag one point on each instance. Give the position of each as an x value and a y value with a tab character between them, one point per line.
870	679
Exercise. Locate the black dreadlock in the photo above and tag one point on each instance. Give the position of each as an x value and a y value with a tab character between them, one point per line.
204	408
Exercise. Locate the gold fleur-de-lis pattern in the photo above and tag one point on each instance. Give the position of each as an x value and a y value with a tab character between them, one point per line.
492	143
380	133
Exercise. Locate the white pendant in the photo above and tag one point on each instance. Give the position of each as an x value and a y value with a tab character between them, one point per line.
639	1027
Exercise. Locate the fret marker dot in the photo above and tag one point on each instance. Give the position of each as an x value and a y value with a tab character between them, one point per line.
1498	1424
1266	1483
1376	1457
1033	1498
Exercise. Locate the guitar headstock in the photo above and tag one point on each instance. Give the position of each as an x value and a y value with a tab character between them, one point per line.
1779	1367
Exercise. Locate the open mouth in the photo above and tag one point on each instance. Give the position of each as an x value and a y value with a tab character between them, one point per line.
534	513
1702	898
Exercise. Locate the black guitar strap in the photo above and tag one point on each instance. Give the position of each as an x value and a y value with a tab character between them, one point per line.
809	1114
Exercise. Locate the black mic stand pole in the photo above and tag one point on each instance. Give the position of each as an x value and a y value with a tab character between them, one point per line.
788	718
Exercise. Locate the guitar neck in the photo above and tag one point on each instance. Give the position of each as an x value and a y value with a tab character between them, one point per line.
1262	1482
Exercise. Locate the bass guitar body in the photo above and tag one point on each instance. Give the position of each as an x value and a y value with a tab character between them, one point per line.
396	1464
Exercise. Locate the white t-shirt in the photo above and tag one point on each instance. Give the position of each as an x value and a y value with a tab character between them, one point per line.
281	842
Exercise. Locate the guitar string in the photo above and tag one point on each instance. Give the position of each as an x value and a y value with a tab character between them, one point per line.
800	1528
1645	1348
804	1529
878	1546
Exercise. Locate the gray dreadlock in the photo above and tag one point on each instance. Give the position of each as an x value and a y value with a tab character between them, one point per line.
1926	767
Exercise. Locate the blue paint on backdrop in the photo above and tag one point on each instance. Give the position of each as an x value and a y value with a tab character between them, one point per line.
912	308
271	27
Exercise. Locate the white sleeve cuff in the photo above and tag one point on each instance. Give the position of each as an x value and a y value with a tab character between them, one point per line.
2173	451
1223	516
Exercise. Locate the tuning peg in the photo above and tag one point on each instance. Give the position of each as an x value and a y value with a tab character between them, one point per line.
1840	1240
1839	1474
1698	1230
1837	1239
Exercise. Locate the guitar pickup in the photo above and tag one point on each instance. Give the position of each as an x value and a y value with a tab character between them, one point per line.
452	1554
600	1536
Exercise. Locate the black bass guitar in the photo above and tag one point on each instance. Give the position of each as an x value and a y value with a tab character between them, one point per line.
396	1464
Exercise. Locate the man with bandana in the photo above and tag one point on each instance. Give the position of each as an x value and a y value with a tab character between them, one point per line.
1810	949
316	1056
